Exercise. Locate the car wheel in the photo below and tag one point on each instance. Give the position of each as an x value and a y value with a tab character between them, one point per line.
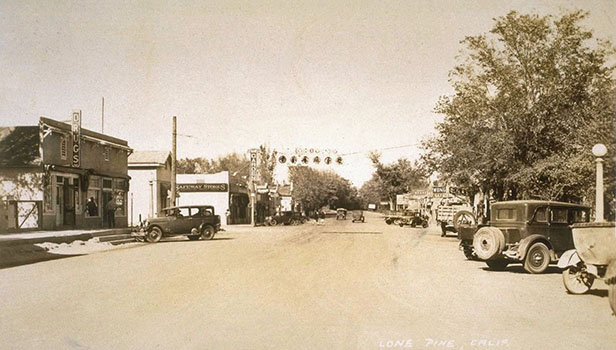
577	280
208	233
497	265
488	243
468	253
463	218
537	258
154	235
273	222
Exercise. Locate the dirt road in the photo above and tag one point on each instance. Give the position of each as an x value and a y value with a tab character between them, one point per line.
339	286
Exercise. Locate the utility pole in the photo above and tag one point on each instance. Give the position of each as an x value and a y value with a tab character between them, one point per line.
253	195
103	118
173	160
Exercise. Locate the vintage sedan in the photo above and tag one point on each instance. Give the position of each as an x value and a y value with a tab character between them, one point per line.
532	232
193	221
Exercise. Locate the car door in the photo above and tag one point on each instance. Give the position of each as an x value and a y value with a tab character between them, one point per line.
559	230
181	223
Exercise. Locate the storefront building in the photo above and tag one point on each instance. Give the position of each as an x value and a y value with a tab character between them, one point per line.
229	198
49	173
150	184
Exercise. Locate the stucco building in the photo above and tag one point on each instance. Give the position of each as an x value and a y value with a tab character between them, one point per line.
150	173
48	172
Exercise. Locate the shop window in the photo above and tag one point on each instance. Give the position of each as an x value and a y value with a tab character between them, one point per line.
63	147
120	199
93	204
107	183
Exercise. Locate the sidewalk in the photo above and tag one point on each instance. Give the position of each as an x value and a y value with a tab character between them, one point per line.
65	236
25	248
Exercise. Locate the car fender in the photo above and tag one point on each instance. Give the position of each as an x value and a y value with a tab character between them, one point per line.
569	258
530	240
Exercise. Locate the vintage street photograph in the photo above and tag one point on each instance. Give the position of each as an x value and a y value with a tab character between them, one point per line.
342	174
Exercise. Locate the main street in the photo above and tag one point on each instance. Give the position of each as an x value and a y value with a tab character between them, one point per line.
342	285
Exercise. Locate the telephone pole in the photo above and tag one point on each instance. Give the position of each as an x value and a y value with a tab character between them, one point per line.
173	160
103	118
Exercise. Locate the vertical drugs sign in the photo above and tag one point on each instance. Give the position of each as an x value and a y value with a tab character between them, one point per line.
76	136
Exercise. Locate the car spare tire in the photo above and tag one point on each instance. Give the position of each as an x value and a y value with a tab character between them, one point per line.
463	218
488	242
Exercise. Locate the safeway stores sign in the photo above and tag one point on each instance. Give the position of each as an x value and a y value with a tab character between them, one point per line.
202	187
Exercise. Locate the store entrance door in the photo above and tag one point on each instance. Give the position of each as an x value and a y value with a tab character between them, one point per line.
69	204
107	195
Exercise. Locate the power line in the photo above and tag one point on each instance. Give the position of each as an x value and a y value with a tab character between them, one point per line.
381	149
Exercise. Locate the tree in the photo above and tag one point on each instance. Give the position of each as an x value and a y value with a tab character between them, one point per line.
238	165
233	163
396	178
531	98
317	188
370	191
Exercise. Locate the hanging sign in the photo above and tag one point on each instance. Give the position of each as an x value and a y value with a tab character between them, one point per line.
253	164
76	137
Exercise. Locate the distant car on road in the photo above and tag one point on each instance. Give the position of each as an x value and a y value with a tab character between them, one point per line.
341	214
193	221
533	232
358	215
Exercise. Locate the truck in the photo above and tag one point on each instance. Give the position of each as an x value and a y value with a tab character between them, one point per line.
446	212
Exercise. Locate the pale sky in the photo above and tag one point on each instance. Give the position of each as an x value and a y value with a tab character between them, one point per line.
346	75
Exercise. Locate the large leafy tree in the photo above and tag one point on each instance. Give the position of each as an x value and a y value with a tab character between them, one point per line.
237	164
531	99
396	178
370	191
316	188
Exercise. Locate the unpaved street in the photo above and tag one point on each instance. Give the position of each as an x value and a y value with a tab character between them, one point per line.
339	286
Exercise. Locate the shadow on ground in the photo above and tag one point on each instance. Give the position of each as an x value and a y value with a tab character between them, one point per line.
18	255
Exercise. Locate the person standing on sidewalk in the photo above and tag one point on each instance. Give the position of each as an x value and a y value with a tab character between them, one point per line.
111	208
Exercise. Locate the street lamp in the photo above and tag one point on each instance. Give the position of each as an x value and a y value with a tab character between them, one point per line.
599	150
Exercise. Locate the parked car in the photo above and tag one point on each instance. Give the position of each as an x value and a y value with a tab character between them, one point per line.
341	214
286	218
414	219
193	221
533	232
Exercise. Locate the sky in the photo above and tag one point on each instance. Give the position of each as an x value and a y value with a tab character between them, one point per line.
349	76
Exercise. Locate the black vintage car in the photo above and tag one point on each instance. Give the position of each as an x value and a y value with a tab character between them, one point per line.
532	232
286	218
193	221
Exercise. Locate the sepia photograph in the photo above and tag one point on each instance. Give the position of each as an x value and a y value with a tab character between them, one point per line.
341	174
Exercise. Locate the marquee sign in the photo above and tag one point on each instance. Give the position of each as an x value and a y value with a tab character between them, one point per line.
76	137
307	156
197	187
